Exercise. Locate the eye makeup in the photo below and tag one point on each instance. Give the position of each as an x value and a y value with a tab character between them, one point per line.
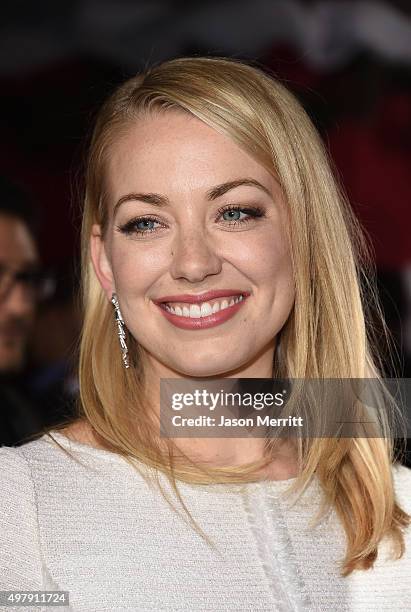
144	224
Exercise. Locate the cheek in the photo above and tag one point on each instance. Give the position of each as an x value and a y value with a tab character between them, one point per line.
267	264
265	259
136	267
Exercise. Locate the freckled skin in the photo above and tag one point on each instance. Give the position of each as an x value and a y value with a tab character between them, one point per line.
178	156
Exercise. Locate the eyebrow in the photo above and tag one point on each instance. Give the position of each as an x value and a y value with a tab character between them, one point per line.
212	194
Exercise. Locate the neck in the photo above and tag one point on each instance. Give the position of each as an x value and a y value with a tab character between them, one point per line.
228	452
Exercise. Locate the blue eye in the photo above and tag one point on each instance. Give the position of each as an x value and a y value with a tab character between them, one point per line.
232	215
145	224
240	214
140	226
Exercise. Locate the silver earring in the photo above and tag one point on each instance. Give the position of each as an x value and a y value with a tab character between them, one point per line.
120	330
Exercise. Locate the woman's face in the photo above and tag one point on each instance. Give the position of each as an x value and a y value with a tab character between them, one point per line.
194	224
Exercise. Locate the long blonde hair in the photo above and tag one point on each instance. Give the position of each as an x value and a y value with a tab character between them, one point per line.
326	334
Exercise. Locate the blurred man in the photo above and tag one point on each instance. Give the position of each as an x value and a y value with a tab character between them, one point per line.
22	284
18	264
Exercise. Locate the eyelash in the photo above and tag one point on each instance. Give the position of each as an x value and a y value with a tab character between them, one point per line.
253	212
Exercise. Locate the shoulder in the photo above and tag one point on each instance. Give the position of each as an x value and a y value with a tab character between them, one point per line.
20	565
15	477
17	502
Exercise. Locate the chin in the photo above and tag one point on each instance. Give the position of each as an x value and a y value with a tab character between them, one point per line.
201	369
11	367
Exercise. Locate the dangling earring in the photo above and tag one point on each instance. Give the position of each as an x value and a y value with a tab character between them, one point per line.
120	330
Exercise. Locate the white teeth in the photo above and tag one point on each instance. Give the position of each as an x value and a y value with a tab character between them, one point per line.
195	311
206	309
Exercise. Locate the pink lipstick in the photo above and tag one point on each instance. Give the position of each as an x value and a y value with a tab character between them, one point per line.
201	311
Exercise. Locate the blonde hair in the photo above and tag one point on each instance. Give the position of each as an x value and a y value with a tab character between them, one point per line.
326	334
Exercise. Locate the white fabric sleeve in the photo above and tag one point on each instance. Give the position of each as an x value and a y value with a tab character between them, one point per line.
20	557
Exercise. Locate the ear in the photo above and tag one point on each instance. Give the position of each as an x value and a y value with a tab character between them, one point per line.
100	261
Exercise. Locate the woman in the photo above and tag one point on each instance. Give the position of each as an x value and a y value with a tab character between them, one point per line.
212	229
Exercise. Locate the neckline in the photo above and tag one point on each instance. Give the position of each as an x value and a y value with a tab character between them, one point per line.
109	455
81	446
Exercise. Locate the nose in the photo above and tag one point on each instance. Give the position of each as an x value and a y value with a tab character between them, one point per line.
18	302
194	256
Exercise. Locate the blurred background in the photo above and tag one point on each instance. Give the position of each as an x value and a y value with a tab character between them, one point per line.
349	63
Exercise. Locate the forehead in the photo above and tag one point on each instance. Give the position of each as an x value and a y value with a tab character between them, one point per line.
174	151
16	244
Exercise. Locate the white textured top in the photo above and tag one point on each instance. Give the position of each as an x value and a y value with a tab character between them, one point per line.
95	527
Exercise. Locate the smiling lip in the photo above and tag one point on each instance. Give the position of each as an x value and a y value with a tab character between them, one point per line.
201	297
211	320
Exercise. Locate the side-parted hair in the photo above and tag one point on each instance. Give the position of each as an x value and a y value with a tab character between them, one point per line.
327	334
